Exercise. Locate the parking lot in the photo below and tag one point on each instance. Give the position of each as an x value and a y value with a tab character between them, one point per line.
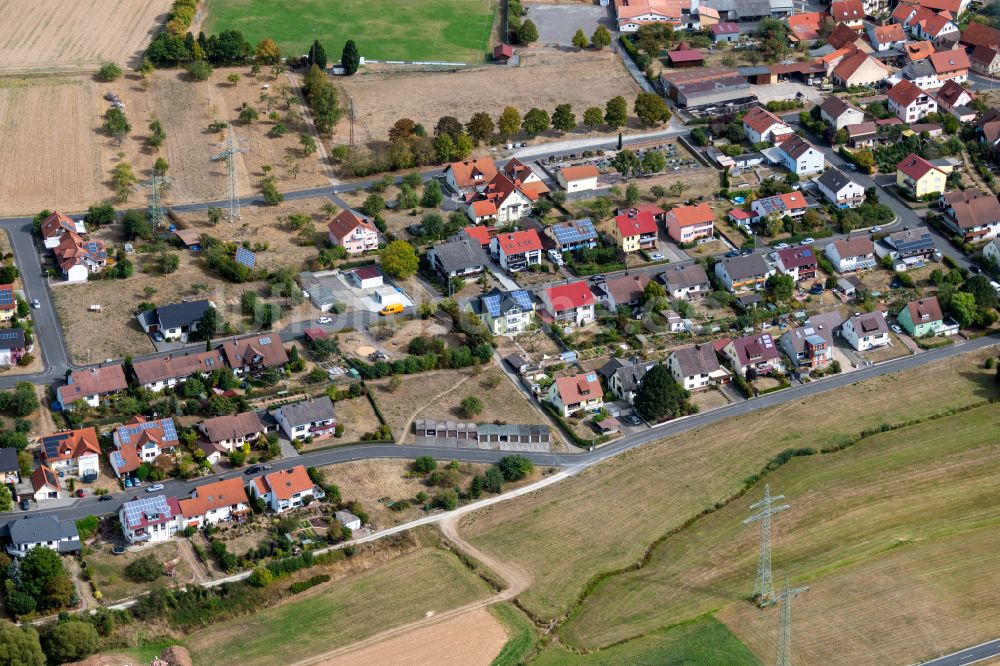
557	23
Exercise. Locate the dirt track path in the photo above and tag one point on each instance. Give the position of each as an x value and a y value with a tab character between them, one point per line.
409	421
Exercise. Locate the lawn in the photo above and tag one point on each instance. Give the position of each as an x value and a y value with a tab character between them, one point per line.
108	571
522	636
434	30
344	612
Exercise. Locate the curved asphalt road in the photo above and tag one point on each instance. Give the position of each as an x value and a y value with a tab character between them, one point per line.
971	655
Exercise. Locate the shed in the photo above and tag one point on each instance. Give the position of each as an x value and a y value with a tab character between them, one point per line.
366	277
685	56
846	286
389	296
502	53
190	238
348	520
315	333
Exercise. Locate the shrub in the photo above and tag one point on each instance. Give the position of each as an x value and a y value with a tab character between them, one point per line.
424	464
146	568
109	72
261	577
515	468
302	585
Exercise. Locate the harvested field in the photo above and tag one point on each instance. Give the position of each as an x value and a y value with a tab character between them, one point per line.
706	466
50	35
542	80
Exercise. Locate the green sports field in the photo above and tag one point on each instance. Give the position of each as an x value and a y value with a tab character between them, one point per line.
413	30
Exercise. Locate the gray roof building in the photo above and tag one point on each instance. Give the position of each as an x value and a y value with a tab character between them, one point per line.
823	325
8	461
458	255
746	266
174	315
308	411
32	531
696	360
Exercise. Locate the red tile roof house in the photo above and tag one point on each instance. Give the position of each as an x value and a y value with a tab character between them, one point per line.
686	224
55	226
887	37
525	179
976	220
215	502
581	392
285	489
92	385
635	230
955	99
761	125
353	233
952	65
465	177
851	254
799	262
164	372
570	304
72	452
8	302
254	353
935	28
985	60
805	27
850	12
222	434
909	102
754	355
685	56
502	200
78	258
45	485
624	290
517	250
142	440
725	31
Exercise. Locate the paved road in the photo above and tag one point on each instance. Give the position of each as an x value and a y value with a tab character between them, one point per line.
971	655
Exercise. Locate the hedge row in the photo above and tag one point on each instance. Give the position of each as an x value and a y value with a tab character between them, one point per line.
303	585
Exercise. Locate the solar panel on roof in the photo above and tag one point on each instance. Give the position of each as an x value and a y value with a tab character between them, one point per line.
51	444
266	340
7	297
580	231
8	335
145	506
125	433
246	257
492	304
522	298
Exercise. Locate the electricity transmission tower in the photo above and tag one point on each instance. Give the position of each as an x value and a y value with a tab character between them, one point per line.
154	188
231	147
785	628
763	587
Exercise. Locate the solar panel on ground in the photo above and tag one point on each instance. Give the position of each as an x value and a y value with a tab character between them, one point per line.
246	257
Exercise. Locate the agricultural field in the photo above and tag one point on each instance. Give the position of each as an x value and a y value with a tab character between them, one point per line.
630	494
54	35
436	30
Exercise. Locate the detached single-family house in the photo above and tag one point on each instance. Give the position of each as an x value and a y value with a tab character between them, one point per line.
849	12
573	235
310	418
921	318
760	125
224	433
754	355
29	532
805	27
92	385
254	353
991	251
686	282
696	367
150	519
525	179
13	346
811	344
909	102
839	113
799	156
621	290
45	485
635	230
798	262
851	254
352	232
285	489
951	65
458	257
744	273
866	331
501	201
215	502
174	321
8	302
921	74
887	37
792	204
859	69
517	250
624	381
577	393
162	372
570	304
73	453
909	246
919	178
506	312
985	59
686	224
976	218
956	100
10	468
861	135
78	258
465	177
142	441
933	27
57	225
840	189
578	178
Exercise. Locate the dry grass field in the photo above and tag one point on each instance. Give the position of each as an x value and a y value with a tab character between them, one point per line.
47	35
629	502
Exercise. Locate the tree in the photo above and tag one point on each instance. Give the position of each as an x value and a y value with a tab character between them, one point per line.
248	114
373	205
6	501
659	397
424	464
616	112
261	577
432	196
592	117
493	480
350	59
145	569
515	467
38	569
123	180
580	40
317	55
100	215
308	144
402	130
209	324
651	109
979	286
135	225
233	78
535	121
480	127
563	118
399	259
116	124
160	166
471	406
601	38
625	162
199	70
109	72
780	286
19	647
632	194
448	125
71	640
653	161
527	33
963	308
268	52
463	146
509	122
444	148
654	295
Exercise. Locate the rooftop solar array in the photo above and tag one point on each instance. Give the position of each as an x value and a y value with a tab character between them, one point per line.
766	341
246	257
578	232
144	508
494	302
52	442
266	340
116	460
125	433
6	296
772	204
9	335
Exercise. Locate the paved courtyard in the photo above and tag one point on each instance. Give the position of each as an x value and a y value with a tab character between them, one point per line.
557	23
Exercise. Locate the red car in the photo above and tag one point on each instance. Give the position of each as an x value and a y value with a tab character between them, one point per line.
79	493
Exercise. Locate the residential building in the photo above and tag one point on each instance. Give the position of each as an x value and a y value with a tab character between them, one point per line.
909	102
635	230
985	60
951	65
163	372
577	393
956	100
810	345
140	441
908	247
352	232
310	418
10	468
991	251
150	519
840	189
481	234
8	302
725	31
573	235
93	385
57	225
696	367
215	502
686	224
919	178
859	69
980	34
988	127
525	179
501	201
222	434
174	321
13	346
72	453
935	28
466	177
848	255
760	125
805	27
922	317
753	355
506	312
845	37
798	262
624	381
792	204
45	484
285	489
578	178
28	532
254	353
887	37
839	113
916	51
849	12
621	290
862	134
77	258
977	218
800	157
866	331
517	250
741	218
686	282
458	257
570	304
744	273
921	74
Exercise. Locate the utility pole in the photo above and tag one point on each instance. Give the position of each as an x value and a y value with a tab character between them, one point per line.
230	149
154	187
785	628
350	115
763	587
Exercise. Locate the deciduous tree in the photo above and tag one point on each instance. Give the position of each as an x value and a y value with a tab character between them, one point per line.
535	121
480	127
509	122
651	109
580	40
399	259
616	112
593	117
563	118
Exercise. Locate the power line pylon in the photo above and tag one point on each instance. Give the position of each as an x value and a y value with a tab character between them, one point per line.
230	149
154	188
763	587
785	628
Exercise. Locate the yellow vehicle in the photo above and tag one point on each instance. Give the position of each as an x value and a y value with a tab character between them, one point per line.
394	308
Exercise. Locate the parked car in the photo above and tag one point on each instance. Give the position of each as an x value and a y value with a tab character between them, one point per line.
808	241
875	230
105	498
154	488
158	336
656	256
80	493
598	278
816	288
392	308
35	304
25	505
325	320
851	166
781	246
732	253
253	470
632	419
556	258
896	329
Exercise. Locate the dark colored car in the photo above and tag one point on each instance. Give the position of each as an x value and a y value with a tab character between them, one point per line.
105	498
253	470
816	289
25	505
733	253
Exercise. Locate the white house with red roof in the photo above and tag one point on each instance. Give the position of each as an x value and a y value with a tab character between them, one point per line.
849	12
517	250
578	178
951	65
525	179
851	254
285	489
57	225
636	229
352	232
45	484
466	177
72	452
8	302
934	27
955	99
570	304
756	354
686	224
761	125
501	201
92	385
215	502
78	258
792	204
142	440
581	392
